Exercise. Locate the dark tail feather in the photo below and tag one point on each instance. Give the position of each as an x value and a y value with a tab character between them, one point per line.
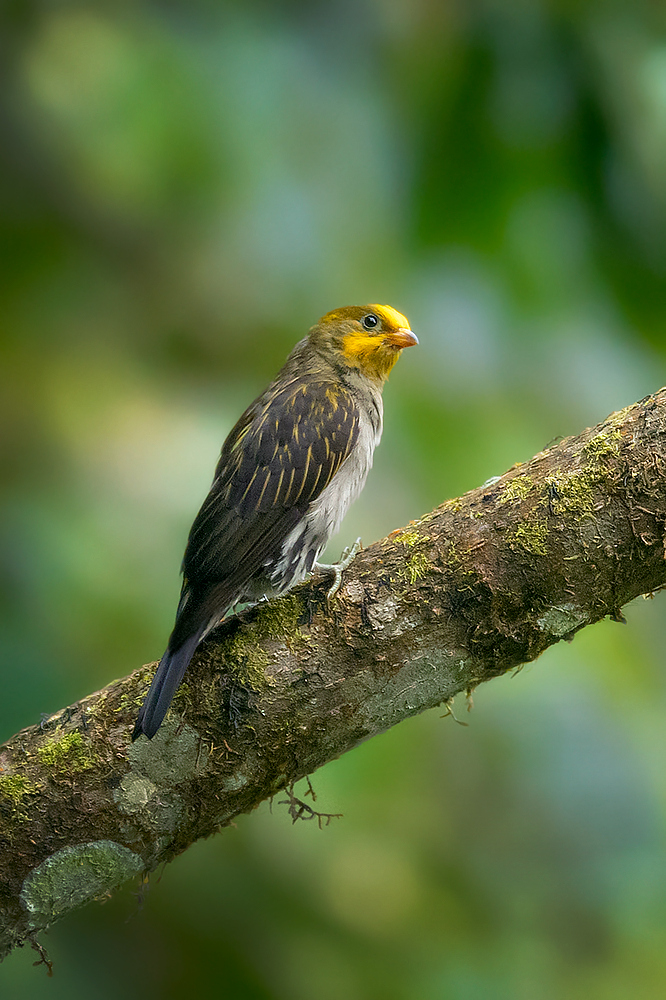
168	676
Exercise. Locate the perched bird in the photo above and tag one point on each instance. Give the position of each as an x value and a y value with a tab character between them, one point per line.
290	468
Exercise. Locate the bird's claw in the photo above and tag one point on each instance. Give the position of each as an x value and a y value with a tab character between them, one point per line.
338	568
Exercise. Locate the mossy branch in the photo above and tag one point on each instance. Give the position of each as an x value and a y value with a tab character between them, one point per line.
479	586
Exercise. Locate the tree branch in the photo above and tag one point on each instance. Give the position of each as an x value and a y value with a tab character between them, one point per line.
479	586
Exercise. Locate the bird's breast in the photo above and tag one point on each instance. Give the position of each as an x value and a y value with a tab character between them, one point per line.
327	511
306	541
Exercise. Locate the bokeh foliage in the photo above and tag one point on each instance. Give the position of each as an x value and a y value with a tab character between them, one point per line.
184	189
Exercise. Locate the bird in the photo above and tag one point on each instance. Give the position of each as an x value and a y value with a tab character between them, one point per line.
293	463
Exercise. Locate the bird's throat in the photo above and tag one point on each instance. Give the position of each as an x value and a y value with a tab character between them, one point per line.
370	354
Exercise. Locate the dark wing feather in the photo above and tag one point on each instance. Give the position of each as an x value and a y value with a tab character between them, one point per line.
279	457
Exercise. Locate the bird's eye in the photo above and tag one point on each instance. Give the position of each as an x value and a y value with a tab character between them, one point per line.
370	321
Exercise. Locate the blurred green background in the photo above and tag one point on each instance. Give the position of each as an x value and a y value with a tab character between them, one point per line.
185	187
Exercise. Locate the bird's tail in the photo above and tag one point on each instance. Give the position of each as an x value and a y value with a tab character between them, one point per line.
167	677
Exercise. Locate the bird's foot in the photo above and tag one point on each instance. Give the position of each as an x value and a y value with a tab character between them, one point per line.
338	568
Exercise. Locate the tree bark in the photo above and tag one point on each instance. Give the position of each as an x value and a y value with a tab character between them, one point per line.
477	587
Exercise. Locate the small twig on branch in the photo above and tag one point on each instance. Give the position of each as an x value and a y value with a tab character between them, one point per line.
301	810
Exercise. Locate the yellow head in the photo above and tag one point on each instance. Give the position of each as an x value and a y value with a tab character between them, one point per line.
369	338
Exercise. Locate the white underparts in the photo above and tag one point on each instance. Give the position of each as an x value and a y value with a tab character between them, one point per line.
302	546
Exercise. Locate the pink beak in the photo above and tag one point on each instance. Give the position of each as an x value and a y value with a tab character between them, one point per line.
402	338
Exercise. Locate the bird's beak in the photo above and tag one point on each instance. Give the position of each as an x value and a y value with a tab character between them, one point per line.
402	338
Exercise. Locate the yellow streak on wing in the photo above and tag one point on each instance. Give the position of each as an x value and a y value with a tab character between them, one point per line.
332	396
305	474
254	476
282	391
239	440
285	385
279	487
351	434
291	480
347	435
261	496
314	485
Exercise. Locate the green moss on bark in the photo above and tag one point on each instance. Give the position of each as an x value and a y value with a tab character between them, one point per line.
15	789
531	537
414	568
66	755
516	490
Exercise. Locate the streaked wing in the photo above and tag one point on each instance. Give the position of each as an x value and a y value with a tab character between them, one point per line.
279	457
